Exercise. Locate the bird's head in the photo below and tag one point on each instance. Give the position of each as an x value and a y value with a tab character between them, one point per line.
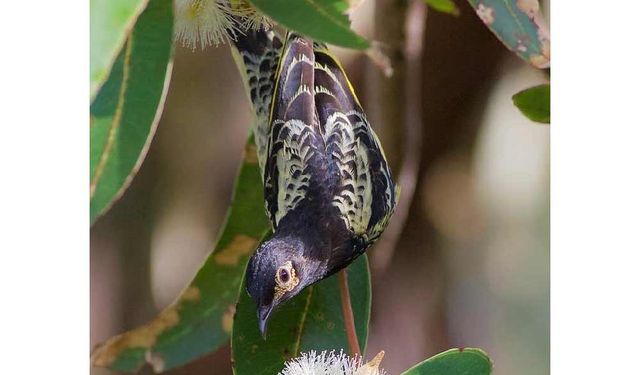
277	271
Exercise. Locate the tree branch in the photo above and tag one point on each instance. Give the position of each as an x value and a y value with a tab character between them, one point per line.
401	95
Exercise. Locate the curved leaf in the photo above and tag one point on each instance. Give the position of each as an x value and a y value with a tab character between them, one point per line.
126	111
200	320
110	23
322	20
310	321
444	6
519	25
467	361
535	103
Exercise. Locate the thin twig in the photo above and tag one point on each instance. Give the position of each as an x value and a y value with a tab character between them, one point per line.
347	313
411	108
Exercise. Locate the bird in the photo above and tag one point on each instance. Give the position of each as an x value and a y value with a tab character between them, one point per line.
328	189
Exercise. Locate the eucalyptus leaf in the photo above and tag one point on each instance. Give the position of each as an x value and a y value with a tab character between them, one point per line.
200	321
126	111
519	25
322	20
312	320
535	103
444	6
467	361
110	23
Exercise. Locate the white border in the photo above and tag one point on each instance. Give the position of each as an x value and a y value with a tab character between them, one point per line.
44	210
595	187
595	147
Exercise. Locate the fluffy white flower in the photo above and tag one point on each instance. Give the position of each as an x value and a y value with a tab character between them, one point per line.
204	22
324	363
252	18
210	22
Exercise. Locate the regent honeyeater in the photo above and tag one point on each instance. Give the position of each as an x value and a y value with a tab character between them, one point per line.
327	187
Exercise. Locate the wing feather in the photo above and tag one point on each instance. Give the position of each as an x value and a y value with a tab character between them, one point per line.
318	128
366	195
292	139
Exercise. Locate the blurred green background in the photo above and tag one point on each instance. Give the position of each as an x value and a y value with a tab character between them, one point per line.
471	263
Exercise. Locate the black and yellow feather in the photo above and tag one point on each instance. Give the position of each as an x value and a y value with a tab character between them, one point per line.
321	145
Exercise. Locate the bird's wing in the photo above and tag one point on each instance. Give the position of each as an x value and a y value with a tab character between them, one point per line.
366	196
292	139
256	53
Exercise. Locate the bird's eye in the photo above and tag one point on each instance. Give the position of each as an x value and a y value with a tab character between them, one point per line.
283	275
286	278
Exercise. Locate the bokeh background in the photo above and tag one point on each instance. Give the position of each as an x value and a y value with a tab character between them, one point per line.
466	259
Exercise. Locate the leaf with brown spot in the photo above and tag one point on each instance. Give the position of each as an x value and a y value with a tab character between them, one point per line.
198	323
238	248
251	153
141	337
520	26
227	318
192	294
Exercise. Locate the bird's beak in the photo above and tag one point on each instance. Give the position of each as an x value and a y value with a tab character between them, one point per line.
263	318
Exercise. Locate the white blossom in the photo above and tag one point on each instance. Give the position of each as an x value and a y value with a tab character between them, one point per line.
254	19
324	363
204	22
210	22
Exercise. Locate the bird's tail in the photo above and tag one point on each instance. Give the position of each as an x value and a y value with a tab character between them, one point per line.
256	51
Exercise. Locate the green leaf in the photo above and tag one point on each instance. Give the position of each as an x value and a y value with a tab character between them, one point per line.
310	321
110	23
467	361
535	103
322	20
200	320
519	25
444	6
126	111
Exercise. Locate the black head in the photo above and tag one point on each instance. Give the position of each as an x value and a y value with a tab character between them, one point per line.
278	271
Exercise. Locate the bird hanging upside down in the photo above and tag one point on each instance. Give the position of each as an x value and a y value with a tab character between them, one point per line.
327	186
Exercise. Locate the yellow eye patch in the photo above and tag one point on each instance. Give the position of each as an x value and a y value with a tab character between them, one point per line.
286	279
